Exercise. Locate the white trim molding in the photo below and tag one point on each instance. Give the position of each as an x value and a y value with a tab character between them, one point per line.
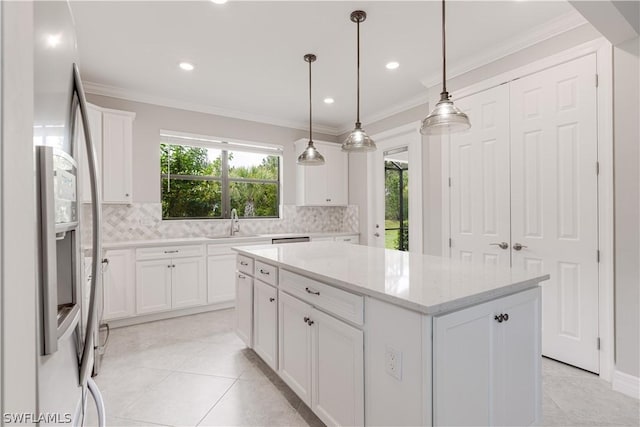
626	384
136	96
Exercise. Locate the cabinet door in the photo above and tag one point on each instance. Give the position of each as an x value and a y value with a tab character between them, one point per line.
95	125
463	354
244	308
221	278
336	175
117	132
315	185
337	371
294	349
518	393
153	286
118	283
188	282
265	323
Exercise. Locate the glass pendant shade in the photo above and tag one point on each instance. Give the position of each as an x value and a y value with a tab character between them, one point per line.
358	140
445	118
311	156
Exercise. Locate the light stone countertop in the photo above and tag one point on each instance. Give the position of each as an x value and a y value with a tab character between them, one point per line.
427	284
239	238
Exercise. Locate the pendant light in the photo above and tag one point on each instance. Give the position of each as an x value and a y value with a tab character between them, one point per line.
310	156
446	117
358	140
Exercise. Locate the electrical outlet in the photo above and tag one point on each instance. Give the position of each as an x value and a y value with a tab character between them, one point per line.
393	362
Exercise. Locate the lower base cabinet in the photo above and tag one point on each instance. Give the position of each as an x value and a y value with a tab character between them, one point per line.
221	278
244	308
500	384
153	286
118	283
265	323
322	360
188	282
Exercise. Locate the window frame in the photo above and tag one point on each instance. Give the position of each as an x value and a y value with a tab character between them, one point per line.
225	179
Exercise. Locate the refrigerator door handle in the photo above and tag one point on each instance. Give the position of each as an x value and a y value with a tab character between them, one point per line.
96	211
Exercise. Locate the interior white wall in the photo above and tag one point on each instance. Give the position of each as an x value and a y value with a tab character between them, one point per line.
626	111
146	139
17	212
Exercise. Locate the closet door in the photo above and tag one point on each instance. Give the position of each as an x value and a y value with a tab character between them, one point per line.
480	224
554	202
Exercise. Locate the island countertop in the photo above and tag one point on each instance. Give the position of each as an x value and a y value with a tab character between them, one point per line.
428	284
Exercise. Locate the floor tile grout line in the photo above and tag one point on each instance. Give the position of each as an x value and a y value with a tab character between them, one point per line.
216	402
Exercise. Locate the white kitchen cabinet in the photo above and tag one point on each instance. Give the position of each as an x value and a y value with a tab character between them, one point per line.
294	345
337	371
265	322
221	278
188	282
153	286
112	137
353	239
325	185
322	360
117	166
500	384
95	125
244	308
118	283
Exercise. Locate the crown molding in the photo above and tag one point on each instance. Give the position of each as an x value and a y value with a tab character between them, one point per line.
552	28
136	96
421	99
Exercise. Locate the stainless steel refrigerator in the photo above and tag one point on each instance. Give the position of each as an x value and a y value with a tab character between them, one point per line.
66	337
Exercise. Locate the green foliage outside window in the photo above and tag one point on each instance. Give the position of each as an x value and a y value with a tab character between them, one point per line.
201	182
396	207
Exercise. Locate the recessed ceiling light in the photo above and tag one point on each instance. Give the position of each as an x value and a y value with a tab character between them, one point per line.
392	65
186	66
219	1
329	100
54	40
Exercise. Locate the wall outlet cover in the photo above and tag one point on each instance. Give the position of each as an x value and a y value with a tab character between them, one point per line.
393	362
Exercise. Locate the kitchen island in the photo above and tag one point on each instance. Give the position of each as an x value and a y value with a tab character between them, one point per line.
368	336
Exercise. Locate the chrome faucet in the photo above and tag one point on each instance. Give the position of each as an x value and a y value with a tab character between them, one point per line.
235	222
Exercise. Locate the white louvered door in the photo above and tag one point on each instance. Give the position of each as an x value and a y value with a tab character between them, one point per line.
555	202
480	180
525	174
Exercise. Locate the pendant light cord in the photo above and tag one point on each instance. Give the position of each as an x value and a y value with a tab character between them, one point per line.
310	121
444	54
358	80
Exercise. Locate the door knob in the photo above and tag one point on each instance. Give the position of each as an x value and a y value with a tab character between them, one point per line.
501	245
518	246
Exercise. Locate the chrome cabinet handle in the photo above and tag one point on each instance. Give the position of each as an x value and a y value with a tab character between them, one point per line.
518	246
242	276
311	291
376	234
171	252
264	272
501	245
499	318
310	322
506	317
272	299
306	319
244	263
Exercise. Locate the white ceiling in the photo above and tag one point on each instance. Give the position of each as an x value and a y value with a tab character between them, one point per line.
249	55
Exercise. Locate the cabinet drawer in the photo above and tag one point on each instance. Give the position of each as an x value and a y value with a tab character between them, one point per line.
160	252
217	249
333	300
267	273
244	264
348	239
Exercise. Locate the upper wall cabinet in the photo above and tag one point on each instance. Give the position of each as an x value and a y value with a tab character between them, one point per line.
112	135
325	185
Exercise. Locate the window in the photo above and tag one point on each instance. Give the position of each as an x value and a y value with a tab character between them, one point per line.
206	179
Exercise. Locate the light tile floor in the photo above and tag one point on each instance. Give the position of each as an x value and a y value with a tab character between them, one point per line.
193	371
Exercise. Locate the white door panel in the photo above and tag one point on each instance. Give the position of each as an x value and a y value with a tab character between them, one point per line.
554	202
480	180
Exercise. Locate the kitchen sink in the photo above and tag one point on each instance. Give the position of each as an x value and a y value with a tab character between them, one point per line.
235	236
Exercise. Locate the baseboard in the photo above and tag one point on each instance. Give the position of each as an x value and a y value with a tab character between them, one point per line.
129	321
626	384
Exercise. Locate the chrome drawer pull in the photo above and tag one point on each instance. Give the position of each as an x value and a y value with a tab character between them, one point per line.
171	252
244	263
264	272
272	299
310	291
242	276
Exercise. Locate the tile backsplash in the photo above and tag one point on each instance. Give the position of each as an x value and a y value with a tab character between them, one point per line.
143	221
